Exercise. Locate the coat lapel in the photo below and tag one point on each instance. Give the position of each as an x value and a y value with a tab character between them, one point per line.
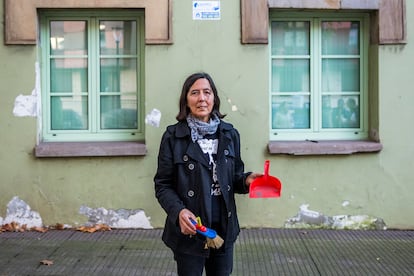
193	149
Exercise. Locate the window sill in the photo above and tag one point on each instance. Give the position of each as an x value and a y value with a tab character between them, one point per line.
89	149
323	147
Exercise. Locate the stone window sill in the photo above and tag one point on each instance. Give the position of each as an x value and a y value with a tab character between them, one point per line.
323	147
89	149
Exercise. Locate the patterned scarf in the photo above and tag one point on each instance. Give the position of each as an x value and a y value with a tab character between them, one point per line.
200	128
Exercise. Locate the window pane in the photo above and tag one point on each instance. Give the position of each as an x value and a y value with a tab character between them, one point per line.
69	113
68	75
119	112
340	75
289	112
340	112
118	75
68	38
290	75
290	38
340	38
118	37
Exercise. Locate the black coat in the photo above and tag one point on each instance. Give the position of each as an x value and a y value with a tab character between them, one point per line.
183	180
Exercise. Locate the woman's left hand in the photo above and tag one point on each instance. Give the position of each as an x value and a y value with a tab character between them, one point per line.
251	177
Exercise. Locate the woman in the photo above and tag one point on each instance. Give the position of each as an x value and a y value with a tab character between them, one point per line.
199	170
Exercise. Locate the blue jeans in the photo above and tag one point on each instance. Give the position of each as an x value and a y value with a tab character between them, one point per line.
219	263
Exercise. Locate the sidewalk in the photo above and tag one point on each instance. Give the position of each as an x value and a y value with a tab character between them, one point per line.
257	252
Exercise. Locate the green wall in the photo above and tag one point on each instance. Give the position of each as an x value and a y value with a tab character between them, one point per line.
378	184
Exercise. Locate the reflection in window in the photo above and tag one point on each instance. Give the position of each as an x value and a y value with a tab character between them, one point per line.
290	112
340	74
340	112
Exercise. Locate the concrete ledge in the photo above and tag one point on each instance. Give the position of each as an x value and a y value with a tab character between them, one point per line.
389	27
324	4
89	149
323	147
20	24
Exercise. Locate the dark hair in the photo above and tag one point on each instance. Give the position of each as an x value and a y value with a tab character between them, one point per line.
184	110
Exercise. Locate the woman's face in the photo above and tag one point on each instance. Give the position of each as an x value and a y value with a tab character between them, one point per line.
200	99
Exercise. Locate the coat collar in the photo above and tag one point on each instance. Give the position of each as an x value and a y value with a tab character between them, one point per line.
183	130
193	149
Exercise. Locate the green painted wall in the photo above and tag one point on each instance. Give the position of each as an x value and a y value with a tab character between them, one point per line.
380	185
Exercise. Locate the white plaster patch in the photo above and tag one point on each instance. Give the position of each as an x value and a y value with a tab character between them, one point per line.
309	216
20	212
121	218
233	106
312	219
357	222
138	220
27	106
153	118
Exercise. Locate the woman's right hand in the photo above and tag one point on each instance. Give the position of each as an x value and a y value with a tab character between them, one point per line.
186	226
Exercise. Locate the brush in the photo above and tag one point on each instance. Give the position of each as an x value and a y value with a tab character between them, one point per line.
212	239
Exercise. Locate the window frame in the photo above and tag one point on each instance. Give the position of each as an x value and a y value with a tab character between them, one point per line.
127	135
315	67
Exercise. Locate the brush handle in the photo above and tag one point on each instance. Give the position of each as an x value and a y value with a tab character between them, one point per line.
209	233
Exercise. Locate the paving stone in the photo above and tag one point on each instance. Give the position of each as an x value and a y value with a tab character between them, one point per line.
257	252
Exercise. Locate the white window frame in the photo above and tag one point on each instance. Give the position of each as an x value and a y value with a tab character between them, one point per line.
315	132
47	135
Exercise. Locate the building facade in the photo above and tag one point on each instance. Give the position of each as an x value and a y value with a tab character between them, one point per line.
320	88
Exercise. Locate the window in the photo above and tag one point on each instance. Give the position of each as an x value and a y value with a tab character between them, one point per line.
318	76
92	75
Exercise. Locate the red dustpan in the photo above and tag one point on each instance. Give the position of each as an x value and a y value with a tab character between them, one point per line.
266	185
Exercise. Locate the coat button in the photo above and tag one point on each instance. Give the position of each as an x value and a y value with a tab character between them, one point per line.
185	158
226	152
191	167
229	214
190	193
